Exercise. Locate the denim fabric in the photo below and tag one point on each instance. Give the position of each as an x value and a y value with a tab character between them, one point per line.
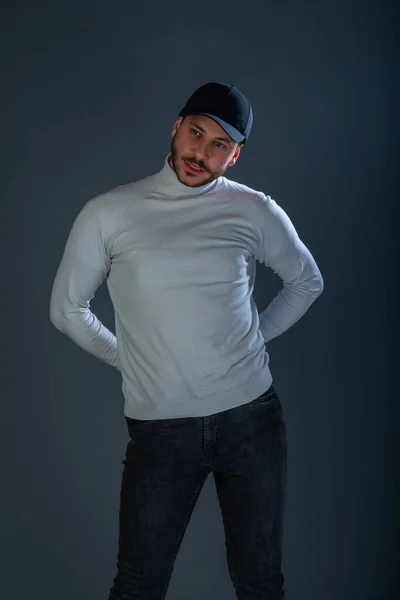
166	464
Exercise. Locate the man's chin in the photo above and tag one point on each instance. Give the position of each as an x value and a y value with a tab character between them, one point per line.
189	179
194	182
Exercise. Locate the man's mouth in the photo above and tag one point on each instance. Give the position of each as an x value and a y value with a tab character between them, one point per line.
192	167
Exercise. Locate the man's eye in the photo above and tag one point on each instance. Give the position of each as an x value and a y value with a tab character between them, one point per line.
194	131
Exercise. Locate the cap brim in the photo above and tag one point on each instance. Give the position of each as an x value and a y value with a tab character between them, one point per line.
233	133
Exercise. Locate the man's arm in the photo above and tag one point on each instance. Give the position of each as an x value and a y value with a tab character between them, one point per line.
83	268
281	249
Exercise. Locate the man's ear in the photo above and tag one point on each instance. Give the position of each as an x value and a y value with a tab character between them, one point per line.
235	156
176	126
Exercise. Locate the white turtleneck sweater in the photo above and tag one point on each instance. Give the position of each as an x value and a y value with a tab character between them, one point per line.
180	268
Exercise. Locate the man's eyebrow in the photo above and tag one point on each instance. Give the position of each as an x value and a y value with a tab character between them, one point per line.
222	139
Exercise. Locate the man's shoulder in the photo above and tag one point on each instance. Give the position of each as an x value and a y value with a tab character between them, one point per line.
131	189
122	196
232	187
134	187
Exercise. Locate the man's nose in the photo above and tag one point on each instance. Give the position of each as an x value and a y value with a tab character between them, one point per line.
200	151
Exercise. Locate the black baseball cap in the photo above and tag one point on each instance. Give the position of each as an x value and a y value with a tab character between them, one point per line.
226	105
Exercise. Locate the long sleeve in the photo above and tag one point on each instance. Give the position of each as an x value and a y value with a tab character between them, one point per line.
281	249
83	268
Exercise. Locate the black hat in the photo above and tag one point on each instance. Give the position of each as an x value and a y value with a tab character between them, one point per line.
226	105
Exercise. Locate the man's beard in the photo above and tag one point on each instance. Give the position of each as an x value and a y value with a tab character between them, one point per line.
177	160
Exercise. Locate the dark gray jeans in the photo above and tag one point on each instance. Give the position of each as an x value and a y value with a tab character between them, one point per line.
167	462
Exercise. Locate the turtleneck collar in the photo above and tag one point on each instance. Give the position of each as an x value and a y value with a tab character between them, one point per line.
168	184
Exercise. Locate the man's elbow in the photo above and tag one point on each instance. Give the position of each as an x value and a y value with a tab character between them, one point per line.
317	286
57	315
56	319
312	286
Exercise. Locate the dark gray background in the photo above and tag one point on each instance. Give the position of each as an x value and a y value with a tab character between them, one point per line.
90	93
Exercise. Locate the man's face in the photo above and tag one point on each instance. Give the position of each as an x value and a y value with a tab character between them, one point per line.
200	141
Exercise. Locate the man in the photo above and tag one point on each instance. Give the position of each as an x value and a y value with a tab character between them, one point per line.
178	250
